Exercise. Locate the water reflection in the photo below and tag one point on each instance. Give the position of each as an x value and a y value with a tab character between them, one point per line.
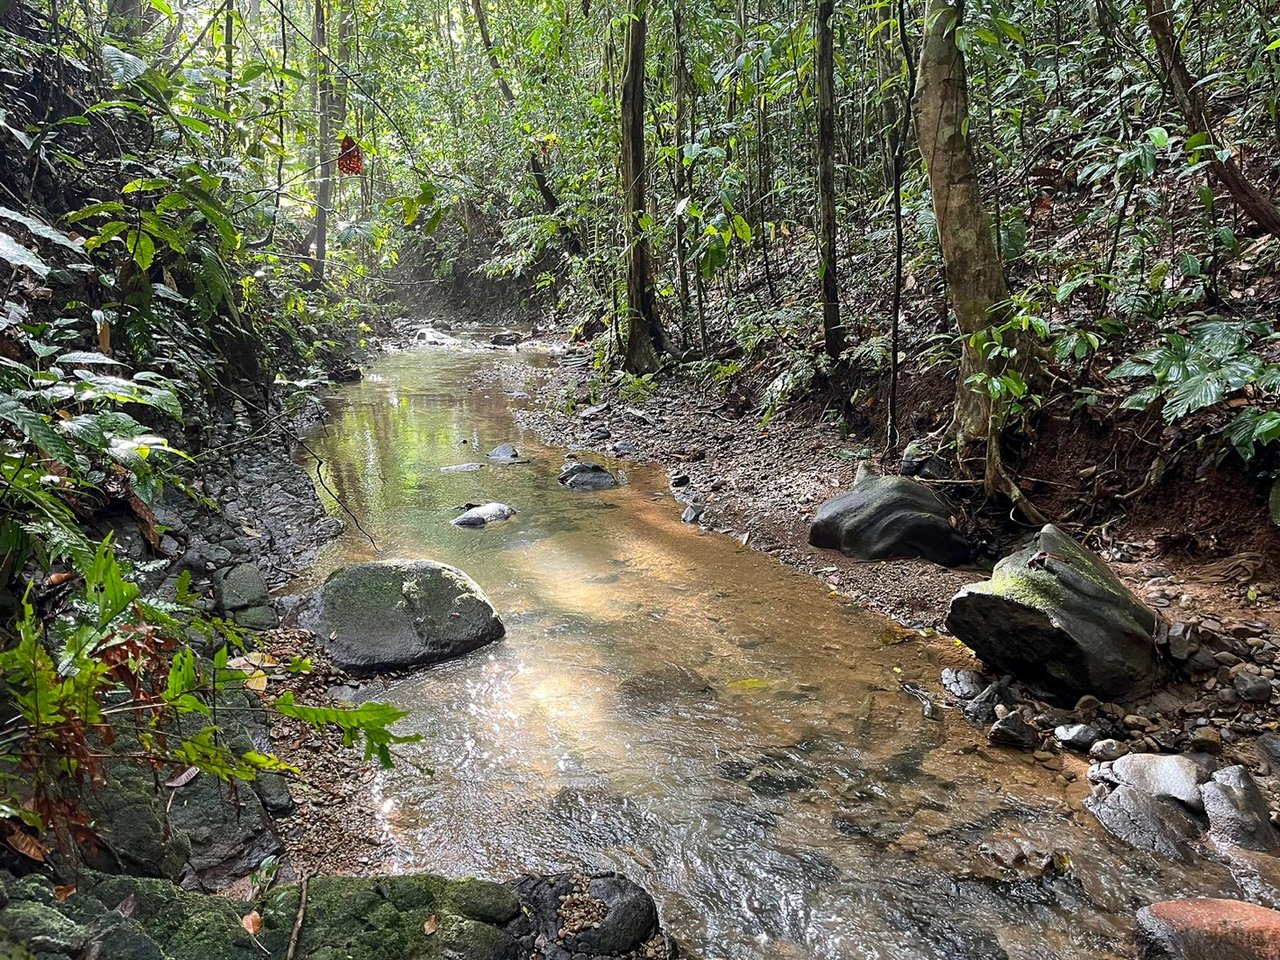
669	704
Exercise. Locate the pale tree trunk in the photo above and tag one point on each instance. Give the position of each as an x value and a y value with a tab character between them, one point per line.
832	331
642	328
1187	93
975	275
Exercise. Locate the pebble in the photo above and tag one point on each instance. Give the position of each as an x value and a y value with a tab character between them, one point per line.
1108	749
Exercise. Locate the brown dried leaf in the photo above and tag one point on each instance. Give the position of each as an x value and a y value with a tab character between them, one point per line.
182	779
432	925
252	922
25	844
61	893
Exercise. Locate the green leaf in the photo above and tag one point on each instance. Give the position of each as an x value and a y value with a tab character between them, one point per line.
122	67
38	429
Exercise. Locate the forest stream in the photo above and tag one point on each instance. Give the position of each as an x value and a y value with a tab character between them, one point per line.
672	705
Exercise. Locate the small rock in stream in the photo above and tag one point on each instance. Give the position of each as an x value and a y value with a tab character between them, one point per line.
479	515
587	476
1012	730
463	468
504	453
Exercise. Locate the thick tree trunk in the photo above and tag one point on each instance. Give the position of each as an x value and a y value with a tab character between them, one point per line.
832	330
642	328
975	275
1187	94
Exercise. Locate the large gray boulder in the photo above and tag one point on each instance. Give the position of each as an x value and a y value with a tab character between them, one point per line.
1055	616
400	613
888	518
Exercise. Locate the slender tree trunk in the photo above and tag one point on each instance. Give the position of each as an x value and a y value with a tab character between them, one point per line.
1188	94
324	182
832	330
680	70
975	275
641	346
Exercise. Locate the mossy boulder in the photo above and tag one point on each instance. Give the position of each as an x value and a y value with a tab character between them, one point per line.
890	518
402	613
1055	616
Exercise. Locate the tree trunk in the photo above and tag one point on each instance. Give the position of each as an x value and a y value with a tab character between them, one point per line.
975	275
1187	93
642	338
832	330
324	182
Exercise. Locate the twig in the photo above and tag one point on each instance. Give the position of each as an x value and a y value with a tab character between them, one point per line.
297	921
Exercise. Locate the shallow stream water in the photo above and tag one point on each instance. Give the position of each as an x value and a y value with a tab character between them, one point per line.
719	727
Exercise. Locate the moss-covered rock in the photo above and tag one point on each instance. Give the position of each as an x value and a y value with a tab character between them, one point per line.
1056	617
887	518
400	614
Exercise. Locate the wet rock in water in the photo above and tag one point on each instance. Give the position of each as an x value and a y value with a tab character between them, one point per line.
777	781
1108	749
479	515
666	683
1208	930
1165	777
504	453
963	684
1056	617
1012	730
1077	736
400	613
506	338
1145	822
587	476
573	916
1238	812
434	338
462	468
887	518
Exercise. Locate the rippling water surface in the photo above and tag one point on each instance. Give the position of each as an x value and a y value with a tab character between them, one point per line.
700	717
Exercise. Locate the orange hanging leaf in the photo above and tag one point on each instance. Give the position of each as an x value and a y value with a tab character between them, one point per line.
350	160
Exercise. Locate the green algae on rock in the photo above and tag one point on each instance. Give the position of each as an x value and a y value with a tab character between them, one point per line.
1055	616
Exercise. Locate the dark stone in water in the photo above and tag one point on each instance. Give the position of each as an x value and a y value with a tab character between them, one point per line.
505	338
1012	730
504	453
587	476
665	683
1146	822
629	923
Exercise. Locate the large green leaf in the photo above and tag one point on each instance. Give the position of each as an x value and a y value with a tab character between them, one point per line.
122	67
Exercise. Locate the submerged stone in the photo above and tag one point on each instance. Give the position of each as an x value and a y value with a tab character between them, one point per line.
1055	616
587	476
888	518
483	514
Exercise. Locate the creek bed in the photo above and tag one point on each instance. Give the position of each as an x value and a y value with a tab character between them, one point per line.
715	725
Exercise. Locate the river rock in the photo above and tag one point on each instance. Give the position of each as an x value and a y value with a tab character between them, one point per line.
505	338
400	613
1143	821
1108	749
1252	688
1077	736
1012	730
504	453
587	476
243	595
887	518
1165	777
483	514
1056	617
1208	930
462	468
1238	812
963	684
573	916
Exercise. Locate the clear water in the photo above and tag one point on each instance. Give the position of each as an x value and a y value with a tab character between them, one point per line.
648	666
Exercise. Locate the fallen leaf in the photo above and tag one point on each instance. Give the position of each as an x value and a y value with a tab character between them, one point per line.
250	532
61	893
432	925
25	844
128	906
753	683
252	922
182	779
